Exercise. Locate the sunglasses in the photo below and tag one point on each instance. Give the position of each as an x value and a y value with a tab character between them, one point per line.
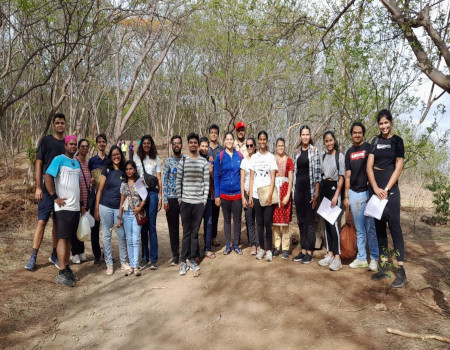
250	146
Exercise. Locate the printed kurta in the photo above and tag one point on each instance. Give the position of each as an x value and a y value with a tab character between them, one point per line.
282	213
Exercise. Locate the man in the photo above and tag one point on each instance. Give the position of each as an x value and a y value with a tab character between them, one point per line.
192	192
356	196
170	199
207	215
97	162
239	143
124	148
214	150
62	180
50	147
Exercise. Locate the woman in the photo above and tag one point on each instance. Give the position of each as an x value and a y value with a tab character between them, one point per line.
282	212
262	174
306	192
250	144
147	157
107	207
227	191
333	170
78	254
130	205
384	166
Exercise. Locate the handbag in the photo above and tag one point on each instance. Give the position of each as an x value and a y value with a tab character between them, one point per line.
150	180
141	217
348	238
263	195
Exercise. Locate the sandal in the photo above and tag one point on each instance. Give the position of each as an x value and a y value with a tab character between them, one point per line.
137	272
210	255
129	272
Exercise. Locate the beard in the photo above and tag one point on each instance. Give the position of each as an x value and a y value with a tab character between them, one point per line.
177	153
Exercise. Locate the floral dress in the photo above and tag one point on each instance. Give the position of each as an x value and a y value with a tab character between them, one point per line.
282	214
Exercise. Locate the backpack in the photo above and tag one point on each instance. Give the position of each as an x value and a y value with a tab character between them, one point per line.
221	158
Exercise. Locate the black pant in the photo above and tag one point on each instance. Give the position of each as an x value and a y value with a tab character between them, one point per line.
215	219
391	215
173	221
305	213
77	246
250	224
328	189
191	218
232	208
264	218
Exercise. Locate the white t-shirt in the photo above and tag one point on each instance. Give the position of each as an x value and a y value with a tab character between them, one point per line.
245	165
152	166
262	165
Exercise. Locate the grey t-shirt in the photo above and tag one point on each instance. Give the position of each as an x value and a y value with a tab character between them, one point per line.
329	169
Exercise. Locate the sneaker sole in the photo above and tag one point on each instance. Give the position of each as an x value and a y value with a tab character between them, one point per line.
307	262
50	260
182	273
379	279
30	269
336	269
153	267
400	285
64	282
359	266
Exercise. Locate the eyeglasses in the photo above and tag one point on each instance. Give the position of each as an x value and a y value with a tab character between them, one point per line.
176	143
250	146
84	146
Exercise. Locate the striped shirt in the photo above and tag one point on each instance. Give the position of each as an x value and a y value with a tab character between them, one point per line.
193	180
314	169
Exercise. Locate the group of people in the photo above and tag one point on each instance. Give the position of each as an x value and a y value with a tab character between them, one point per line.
242	175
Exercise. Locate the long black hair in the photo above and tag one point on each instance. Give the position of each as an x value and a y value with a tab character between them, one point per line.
153	152
110	164
329	132
135	176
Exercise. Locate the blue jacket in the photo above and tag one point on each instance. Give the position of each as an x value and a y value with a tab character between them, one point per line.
227	179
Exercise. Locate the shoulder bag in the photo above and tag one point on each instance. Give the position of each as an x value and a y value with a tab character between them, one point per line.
150	180
141	217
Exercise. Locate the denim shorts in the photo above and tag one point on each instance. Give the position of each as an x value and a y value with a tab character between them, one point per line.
45	207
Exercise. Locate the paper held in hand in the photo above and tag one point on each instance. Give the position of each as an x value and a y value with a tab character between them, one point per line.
375	207
141	188
328	213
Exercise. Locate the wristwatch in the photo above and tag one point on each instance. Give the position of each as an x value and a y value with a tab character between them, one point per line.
386	189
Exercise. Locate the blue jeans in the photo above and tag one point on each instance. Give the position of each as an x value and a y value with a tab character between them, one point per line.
364	225
132	231
207	224
152	210
108	217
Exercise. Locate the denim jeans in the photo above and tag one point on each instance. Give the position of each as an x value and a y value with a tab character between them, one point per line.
108	217
132	232
207	224
365	225
152	210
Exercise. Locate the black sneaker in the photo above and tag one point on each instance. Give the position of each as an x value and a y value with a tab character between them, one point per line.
97	262
154	265
276	252
307	259
71	274
174	261
383	272
298	257
143	263
63	278
400	278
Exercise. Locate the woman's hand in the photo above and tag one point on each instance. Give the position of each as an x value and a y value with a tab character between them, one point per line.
286	199
119	222
314	201
217	202
269	201
346	203
250	202
159	204
136	210
244	203
96	215
334	201
382	194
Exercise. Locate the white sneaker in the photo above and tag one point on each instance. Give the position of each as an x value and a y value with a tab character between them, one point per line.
269	255
358	264
260	254
326	260
335	265
83	257
76	259
373	266
125	267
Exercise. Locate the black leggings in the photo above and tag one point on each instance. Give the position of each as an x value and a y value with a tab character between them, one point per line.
391	215
328	189
232	208
305	213
264	218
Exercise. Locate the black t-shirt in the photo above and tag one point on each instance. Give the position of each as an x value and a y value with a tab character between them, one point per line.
356	161
303	164
111	192
48	149
386	151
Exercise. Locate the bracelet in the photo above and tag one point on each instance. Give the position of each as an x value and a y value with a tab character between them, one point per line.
119	217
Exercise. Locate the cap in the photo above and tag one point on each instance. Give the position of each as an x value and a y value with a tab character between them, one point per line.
240	125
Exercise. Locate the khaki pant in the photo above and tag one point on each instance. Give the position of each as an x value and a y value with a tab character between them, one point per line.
281	237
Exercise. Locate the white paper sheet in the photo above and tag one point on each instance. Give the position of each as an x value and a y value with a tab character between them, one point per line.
141	188
328	213
375	207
